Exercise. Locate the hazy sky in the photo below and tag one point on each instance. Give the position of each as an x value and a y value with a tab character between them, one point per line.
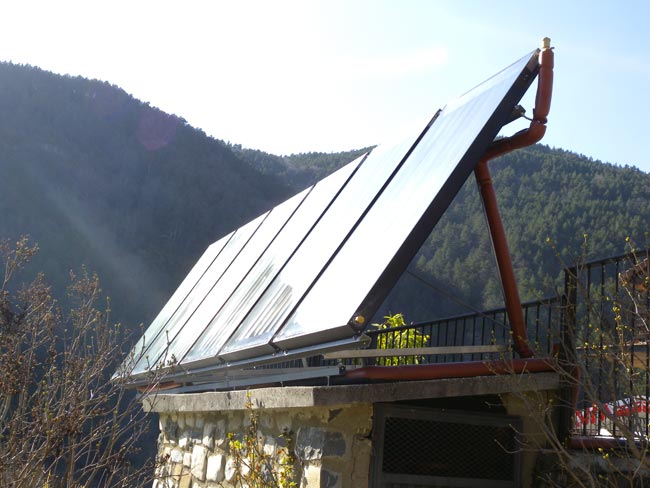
286	76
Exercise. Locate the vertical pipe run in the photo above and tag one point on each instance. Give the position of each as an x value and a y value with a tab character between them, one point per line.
504	263
497	233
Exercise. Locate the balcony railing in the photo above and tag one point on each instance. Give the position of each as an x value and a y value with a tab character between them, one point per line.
607	328
489	328
599	327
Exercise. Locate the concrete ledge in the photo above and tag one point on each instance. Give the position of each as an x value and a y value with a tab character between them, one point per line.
329	396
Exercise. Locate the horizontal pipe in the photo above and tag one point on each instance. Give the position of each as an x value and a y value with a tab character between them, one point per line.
451	370
587	442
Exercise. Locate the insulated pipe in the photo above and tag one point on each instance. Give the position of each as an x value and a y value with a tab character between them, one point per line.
596	443
524	138
451	370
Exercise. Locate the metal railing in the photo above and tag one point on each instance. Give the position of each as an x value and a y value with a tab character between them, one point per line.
600	328
489	328
607	332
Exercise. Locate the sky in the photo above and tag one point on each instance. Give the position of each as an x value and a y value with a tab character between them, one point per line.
298	76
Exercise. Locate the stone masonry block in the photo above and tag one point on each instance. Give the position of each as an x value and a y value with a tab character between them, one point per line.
189	420
270	446
208	435
230	470
184	439
314	443
220	434
199	464
316	476
171	431
176	456
330	479
216	468
196	436
284	422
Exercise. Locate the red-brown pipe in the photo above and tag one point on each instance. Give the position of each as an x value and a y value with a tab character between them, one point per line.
594	442
504	263
451	370
527	137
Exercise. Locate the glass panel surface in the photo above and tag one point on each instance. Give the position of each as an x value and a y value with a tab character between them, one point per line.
296	277
233	276
178	297
158	348
340	290
268	266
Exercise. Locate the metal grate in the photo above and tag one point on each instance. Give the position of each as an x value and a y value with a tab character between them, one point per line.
430	447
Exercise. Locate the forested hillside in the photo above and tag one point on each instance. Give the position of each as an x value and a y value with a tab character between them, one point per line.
97	177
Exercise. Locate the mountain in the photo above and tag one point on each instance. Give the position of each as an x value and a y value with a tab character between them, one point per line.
98	177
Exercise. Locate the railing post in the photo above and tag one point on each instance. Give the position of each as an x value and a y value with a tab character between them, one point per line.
567	355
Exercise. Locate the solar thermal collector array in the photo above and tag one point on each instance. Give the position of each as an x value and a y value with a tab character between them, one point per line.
299	277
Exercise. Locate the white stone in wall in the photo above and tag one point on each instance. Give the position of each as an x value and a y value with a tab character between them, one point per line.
176	456
187	459
244	469
220	435
183	440
270	446
311	476
230	470
208	435
284	422
199	456
216	468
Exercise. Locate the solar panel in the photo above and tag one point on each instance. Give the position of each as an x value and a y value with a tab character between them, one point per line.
270	264
254	333
297	276
167	330
181	293
403	216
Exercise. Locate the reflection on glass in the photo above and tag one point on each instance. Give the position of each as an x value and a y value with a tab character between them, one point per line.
421	182
233	276
312	256
177	298
268	266
158	349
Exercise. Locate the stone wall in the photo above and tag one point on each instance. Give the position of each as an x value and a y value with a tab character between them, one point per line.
328	427
331	446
